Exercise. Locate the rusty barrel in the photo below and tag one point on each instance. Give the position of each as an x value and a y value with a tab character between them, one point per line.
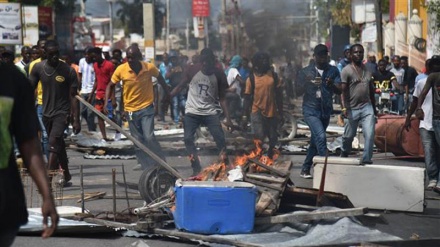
391	136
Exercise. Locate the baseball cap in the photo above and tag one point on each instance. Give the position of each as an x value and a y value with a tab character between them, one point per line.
347	47
320	49
435	59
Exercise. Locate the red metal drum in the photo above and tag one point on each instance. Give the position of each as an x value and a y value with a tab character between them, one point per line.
391	136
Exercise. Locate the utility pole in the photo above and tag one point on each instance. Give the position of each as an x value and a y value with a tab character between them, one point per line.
378	13
167	38
149	37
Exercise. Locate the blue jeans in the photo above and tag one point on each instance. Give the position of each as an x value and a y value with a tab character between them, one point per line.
88	114
179	102
432	156
364	116
141	124
398	103
191	123
44	136
318	142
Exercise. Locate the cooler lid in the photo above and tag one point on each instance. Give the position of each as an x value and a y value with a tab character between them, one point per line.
217	184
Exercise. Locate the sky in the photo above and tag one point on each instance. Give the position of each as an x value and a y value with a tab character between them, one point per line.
181	9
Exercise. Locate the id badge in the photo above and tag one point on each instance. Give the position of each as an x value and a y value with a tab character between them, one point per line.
318	93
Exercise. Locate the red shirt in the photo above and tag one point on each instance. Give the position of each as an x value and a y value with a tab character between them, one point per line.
103	75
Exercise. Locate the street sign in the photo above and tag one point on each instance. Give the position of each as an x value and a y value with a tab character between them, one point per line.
200	8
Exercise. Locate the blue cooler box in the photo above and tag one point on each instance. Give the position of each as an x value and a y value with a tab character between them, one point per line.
210	207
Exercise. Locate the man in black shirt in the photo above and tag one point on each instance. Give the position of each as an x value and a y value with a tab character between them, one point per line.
18	119
60	84
383	79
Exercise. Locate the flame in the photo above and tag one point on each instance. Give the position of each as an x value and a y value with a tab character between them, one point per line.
218	171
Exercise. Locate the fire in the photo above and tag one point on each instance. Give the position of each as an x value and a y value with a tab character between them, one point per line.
219	171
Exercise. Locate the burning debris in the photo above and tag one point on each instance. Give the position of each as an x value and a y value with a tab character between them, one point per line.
254	161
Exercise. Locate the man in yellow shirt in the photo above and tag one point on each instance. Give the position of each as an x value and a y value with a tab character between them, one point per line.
138	98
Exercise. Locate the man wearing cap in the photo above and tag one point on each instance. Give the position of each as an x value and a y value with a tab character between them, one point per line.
371	62
358	104
346	60
318	82
432	87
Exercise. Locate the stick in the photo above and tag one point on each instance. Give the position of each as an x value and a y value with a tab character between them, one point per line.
271	169
82	188
91	197
319	198
308	216
131	138
114	192
125	182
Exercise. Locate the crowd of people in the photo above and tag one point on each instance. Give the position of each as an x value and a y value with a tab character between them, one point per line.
40	91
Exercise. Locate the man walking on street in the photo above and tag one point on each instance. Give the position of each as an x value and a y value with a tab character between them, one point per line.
263	101
138	98
358	104
206	99
318	82
87	78
433	85
103	72
427	134
401	91
59	83
18	120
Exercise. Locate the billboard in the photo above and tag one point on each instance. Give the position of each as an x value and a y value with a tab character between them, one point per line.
30	25
45	25
10	24
200	8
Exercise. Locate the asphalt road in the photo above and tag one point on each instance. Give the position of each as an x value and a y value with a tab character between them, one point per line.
98	177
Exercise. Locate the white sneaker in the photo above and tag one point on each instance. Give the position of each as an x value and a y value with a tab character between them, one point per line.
117	136
432	184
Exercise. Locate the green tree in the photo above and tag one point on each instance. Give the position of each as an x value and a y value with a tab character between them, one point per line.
131	16
58	5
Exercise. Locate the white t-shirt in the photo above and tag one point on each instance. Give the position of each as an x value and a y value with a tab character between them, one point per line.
232	80
426	123
88	76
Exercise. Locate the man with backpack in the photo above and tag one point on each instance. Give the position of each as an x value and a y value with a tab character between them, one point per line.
263	100
318	82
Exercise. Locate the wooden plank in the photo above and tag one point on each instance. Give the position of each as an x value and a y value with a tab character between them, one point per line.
266	178
264	201
269	168
270	186
283	166
308	216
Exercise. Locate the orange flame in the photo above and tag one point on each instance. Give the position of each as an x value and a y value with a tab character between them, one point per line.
219	171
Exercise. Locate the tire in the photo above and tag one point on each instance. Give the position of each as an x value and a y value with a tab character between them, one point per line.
154	183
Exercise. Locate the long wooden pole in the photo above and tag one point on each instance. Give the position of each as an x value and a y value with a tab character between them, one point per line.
131	138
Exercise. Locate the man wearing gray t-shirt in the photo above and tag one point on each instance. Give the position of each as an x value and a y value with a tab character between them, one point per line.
206	99
358	104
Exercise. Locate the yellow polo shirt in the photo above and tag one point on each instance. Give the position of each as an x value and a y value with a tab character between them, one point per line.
138	89
39	86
